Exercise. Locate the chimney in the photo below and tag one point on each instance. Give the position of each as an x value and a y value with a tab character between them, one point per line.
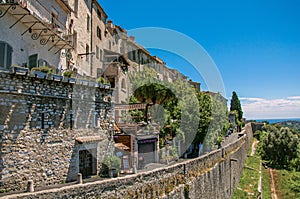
132	38
109	24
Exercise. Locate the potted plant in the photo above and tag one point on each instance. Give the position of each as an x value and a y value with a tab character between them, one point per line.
68	73
19	70
69	76
41	72
114	165
101	82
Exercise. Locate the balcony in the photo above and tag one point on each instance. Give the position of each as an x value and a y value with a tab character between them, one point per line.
39	22
113	62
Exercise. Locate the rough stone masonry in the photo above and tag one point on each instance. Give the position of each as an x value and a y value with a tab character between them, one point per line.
214	175
41	121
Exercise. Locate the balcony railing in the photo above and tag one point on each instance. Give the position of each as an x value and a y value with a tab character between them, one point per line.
37	9
40	22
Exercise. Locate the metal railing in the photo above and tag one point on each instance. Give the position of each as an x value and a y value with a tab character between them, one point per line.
43	13
39	10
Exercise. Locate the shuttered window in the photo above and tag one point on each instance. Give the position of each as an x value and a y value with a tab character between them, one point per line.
5	54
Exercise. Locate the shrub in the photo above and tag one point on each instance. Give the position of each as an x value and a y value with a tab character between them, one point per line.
68	73
112	162
44	69
101	80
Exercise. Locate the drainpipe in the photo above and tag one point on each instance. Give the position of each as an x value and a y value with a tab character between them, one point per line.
91	44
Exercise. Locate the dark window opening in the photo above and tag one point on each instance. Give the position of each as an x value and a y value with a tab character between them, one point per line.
5	54
33	59
87	50
99	33
88	23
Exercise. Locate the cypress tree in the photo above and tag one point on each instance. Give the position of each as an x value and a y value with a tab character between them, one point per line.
235	105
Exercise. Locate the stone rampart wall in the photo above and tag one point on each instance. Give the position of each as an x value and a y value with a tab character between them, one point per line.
214	175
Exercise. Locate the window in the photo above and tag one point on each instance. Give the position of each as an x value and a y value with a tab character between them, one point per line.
42	62
123	84
75	40
5	54
76	7
33	61
101	55
99	14
96	120
133	55
97	52
54	18
88	22
87	50
99	32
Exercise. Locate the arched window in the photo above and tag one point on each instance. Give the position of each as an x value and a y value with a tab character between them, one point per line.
5	54
123	84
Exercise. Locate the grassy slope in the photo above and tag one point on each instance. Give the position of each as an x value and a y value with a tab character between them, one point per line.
266	181
287	184
248	184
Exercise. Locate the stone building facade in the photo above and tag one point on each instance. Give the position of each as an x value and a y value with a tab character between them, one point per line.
33	33
51	130
55	127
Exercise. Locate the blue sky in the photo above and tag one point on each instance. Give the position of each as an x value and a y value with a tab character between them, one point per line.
254	44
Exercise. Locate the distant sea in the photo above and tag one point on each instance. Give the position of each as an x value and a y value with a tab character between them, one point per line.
272	121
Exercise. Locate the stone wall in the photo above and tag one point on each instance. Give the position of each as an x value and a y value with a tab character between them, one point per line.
214	175
40	120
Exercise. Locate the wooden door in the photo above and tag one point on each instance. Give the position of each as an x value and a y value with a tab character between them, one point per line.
85	163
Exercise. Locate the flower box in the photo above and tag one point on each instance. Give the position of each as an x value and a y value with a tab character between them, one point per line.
38	74
57	78
107	86
71	80
84	82
19	70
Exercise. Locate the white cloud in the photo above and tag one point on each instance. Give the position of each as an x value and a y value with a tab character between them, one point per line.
294	98
251	99
258	108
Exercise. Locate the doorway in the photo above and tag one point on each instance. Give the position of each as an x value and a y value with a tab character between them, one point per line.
87	162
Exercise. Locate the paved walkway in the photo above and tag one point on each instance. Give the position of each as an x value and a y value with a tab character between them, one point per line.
254	146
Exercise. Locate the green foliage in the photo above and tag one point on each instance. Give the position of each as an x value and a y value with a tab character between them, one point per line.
44	69
155	93
235	105
136	115
287	183
112	162
280	147
102	80
68	73
180	110
213	121
266	185
249	180
257	134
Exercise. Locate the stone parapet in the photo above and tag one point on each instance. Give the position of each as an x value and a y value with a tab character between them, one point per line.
214	175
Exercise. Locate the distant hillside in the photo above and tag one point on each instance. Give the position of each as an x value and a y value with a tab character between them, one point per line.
295	125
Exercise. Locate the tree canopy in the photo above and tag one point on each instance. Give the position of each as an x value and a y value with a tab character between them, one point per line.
235	105
280	147
188	115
